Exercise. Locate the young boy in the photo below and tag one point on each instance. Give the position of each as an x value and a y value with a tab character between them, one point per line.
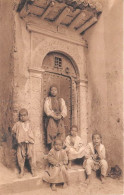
58	160
25	140
95	158
74	145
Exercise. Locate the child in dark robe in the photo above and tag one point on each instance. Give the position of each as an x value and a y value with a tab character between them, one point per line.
57	172
56	111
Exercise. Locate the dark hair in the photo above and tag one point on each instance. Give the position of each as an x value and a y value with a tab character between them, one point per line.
23	110
54	85
57	139
96	133
74	126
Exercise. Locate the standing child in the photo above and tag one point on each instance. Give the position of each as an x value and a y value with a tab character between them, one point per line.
56	110
57	172
95	158
25	140
74	145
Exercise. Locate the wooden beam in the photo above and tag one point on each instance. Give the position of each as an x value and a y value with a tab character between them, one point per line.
89	23
24	12
48	9
62	15
77	19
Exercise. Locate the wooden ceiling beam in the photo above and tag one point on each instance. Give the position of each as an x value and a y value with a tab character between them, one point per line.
77	19
86	25
62	15
48	9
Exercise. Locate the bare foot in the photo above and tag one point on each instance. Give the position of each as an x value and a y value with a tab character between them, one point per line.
34	174
65	185
53	187
87	181
21	174
102	178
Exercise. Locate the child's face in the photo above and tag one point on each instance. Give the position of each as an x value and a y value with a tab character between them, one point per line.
23	116
96	140
58	145
53	91
73	131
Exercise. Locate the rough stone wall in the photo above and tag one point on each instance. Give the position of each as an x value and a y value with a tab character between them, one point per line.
105	80
6	75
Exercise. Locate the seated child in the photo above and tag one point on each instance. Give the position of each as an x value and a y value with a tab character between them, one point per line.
25	140
74	145
95	158
58	160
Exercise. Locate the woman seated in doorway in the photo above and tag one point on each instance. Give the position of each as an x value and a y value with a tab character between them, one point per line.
55	109
74	145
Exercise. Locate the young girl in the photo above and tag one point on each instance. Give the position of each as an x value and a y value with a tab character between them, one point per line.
57	172
74	145
95	157
25	140
56	110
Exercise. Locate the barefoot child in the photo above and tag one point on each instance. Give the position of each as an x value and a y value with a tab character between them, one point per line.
74	145
95	158
25	140
57	172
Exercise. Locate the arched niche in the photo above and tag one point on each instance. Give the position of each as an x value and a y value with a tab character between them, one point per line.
61	70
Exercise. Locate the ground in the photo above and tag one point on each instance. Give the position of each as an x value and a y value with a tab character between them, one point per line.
111	187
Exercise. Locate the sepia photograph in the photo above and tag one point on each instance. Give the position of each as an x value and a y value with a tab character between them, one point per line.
61	97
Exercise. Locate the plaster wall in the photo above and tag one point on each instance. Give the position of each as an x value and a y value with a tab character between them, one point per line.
6	76
105	85
31	48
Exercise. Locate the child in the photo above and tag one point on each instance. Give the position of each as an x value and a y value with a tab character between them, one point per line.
57	172
25	140
74	145
55	109
95	158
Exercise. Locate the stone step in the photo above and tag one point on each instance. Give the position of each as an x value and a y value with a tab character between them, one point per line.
76	175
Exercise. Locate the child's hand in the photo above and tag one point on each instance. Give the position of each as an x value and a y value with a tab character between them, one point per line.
77	149
57	117
95	156
97	148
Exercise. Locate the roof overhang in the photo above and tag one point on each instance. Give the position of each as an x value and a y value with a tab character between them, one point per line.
77	15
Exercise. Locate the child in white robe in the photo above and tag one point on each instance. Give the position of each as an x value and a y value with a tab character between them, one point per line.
25	139
57	172
74	146
95	158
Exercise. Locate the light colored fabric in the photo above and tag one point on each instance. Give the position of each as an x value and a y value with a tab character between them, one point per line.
90	151
25	139
48	107
74	147
57	172
25	150
93	164
23	132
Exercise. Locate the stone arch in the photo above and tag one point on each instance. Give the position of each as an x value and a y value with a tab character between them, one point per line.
66	83
73	52
70	58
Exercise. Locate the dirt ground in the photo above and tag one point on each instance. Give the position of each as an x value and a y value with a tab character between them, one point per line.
111	187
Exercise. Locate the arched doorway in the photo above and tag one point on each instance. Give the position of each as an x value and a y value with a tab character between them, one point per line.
60	70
